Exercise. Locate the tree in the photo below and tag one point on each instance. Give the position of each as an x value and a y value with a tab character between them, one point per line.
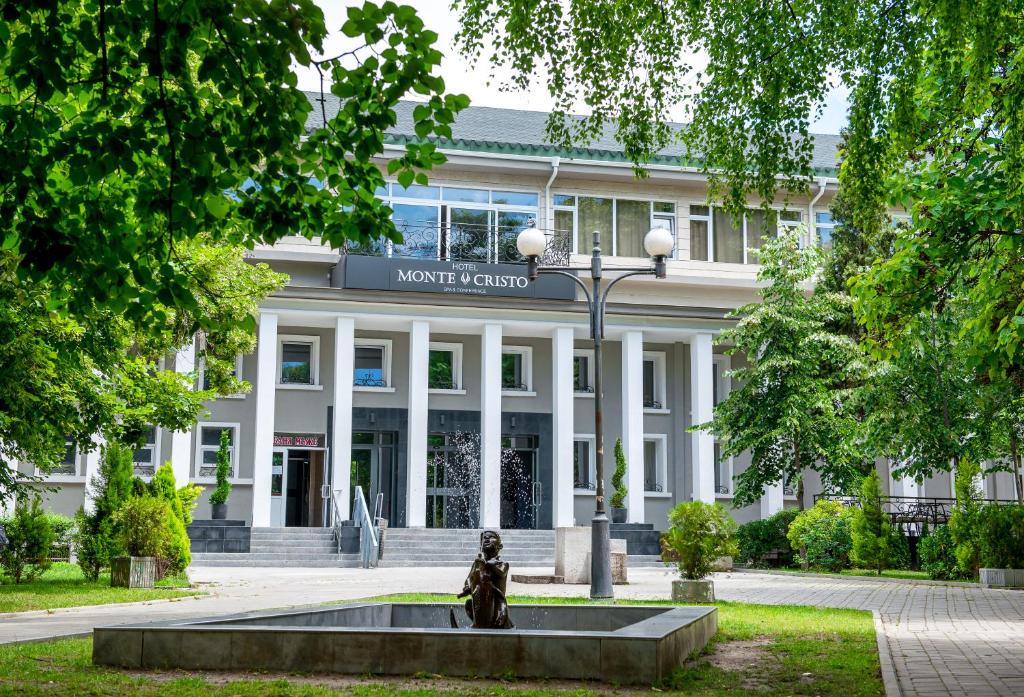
96	535
178	555
965	523
871	531
791	408
619	489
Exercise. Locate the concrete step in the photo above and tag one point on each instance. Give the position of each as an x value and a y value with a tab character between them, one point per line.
308	564
391	563
410	545
213	556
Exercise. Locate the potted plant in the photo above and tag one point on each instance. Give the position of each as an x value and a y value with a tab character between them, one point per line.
143	532
700	534
219	497
619	489
1002	546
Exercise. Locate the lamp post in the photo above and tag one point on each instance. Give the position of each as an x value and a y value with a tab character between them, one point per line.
658	244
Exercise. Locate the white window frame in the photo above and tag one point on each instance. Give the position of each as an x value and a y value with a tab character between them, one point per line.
236	439
386	365
653	216
156	453
57	478
831	227
661	453
527	360
589	355
201	377
591	466
314	359
710	220
456	351
660	382
722	387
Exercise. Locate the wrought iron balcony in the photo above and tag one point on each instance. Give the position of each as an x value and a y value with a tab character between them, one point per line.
652	404
493	244
369	381
514	387
906	510
722	489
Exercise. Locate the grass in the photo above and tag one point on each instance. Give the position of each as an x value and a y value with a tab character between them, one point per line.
62	585
906	574
800	651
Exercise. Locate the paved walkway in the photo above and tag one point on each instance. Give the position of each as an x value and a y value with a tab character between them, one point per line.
940	640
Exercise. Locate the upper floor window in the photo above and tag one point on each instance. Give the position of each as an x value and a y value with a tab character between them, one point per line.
144	458
655	464
68	465
516	369
622	223
654	380
583	463
372	363
204	379
716	236
298	360
454	223
444	367
583	371
825	225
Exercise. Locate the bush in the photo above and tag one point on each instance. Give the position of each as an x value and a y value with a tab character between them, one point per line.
1002	537
872	535
189	495
619	489
29	540
96	541
223	489
937	553
821	535
759	540
63	536
143	528
163	487
700	534
965	519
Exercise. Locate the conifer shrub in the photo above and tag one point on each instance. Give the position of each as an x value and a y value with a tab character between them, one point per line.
965	519
178	555
872	535
223	489
619	489
937	553
95	539
1002	537
144	527
29	541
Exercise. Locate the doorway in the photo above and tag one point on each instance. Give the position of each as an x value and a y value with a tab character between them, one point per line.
373	469
304	476
520	483
453	480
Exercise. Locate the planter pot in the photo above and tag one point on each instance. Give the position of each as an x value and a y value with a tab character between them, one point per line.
220	511
133	572
618	515
693	591
1001	578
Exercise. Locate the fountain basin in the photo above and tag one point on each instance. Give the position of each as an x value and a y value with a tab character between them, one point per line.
613	643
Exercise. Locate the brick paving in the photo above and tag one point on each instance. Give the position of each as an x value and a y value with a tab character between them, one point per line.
937	640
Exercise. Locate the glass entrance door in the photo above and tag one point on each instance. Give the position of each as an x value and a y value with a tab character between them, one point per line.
453	480
277	484
520	483
373	454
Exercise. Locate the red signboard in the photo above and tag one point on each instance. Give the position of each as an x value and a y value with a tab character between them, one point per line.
299	440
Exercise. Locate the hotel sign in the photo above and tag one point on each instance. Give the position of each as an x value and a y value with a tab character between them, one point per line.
299	440
451	278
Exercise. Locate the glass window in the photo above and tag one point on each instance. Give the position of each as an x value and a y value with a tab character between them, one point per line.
723	472
582	465
825	225
296	363
564	200
699	224
469	234
594	214
581	378
68	464
728	238
762	225
650	395
419	226
564	222
432	193
513	376
664	207
451	193
441	370
652	466
276	473
144	458
510	224
632	221
209	444
369	367
381	191
514	198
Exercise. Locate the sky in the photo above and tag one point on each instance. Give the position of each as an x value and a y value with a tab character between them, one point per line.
476	81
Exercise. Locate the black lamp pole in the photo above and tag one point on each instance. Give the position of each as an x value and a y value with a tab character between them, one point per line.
600	545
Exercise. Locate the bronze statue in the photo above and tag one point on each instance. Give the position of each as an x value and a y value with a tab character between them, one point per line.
485	586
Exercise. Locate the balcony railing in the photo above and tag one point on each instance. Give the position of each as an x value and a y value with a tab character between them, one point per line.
905	510
464	242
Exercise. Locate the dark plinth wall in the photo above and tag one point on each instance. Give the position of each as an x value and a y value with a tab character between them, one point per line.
219	536
641	538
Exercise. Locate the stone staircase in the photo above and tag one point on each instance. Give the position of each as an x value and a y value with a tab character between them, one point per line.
452	547
284	547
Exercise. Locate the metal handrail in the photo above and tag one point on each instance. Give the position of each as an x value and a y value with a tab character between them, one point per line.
369	547
337	522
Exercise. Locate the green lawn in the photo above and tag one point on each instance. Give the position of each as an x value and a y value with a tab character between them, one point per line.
64	586
887	573
771	650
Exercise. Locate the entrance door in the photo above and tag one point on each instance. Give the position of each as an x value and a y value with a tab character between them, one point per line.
520	483
373	454
303	487
277	484
453	480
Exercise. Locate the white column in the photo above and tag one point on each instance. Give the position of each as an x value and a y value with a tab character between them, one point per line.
563	426
416	485
263	437
490	427
92	468
909	487
702	398
771	500
181	441
341	445
633	422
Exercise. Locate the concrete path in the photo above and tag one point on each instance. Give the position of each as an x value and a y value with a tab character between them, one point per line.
936	640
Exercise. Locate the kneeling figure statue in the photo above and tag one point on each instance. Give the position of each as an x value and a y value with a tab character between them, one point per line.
485	586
